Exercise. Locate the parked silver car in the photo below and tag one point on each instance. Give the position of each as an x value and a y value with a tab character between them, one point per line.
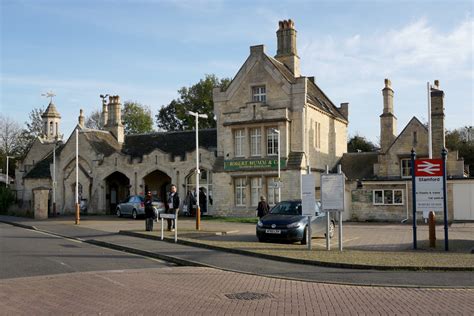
135	206
285	223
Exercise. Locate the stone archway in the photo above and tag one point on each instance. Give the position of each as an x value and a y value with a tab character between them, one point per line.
158	183
117	189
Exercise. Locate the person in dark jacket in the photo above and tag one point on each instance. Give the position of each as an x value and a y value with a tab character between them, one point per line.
263	208
172	206
202	201
149	212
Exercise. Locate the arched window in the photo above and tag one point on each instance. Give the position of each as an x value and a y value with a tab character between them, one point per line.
51	128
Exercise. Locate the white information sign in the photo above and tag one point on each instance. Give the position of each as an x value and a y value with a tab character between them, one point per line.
332	192
429	185
308	199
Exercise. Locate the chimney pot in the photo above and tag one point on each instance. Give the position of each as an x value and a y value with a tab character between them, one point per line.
436	83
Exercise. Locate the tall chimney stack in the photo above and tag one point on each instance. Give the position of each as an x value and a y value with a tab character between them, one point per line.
286	46
80	119
388	120
437	119
114	118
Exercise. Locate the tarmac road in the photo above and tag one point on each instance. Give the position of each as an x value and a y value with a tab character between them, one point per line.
157	288
25	252
260	266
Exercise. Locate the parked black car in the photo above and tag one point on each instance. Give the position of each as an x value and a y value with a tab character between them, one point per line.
285	223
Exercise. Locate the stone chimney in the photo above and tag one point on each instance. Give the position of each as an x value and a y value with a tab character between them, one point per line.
114	118
388	121
104	112
286	46
80	119
437	119
344	109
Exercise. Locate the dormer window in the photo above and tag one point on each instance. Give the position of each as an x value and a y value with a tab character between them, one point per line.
259	94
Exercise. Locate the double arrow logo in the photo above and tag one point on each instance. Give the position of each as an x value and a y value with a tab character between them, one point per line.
428	167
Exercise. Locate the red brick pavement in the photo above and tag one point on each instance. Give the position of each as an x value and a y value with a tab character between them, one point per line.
202	291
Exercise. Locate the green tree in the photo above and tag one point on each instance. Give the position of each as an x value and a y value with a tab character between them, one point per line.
462	140
359	143
197	98
136	118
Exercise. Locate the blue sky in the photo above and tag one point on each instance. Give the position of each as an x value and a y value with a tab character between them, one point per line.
146	50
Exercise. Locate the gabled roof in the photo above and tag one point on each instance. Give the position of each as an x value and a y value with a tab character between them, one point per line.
285	72
413	120
174	143
359	166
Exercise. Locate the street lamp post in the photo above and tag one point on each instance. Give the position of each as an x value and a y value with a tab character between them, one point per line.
77	178
198	172
54	177
279	167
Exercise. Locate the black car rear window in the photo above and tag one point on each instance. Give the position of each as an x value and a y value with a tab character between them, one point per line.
287	208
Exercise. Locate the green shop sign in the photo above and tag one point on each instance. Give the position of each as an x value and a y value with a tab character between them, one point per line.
252	164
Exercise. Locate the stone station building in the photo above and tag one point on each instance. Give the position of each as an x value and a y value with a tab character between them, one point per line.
267	102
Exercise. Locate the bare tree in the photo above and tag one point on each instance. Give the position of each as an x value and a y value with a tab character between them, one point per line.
10	137
94	120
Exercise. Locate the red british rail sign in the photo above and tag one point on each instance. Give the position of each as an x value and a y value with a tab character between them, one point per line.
429	185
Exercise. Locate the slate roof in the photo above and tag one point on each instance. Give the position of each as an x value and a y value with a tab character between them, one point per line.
174	143
359	166
294	160
283	69
315	95
41	170
102	142
317	98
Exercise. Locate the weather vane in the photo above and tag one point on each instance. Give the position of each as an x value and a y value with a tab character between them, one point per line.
50	94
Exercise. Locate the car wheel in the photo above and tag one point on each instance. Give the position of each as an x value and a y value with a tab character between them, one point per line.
332	228
261	239
305	236
119	214
134	214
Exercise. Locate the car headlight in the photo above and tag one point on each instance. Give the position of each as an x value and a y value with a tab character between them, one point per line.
293	225
259	224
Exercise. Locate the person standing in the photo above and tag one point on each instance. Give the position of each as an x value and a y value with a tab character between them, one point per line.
172	206
149	212
202	201
263	208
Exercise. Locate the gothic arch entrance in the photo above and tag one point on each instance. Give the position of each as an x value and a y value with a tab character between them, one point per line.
117	189
158	183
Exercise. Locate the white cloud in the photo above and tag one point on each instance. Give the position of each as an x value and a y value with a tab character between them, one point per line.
352	69
415	47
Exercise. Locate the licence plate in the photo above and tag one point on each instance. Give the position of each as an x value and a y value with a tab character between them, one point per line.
272	231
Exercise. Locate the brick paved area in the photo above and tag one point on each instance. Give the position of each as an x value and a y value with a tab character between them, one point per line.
204	291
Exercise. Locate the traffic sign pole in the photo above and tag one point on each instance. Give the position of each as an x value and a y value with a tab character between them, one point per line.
444	153
413	182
